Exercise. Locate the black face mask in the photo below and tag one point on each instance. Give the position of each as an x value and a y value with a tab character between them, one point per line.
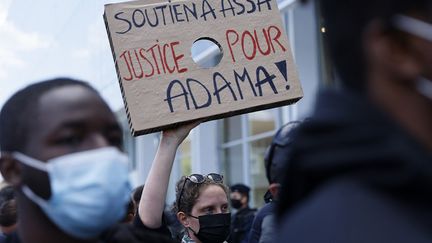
235	203
214	228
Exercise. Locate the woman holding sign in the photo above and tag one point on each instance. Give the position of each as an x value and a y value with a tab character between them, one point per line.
201	200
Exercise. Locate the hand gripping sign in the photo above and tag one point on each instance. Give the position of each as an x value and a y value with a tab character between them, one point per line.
161	84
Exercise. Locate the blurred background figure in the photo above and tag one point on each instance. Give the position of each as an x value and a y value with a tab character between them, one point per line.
132	205
169	217
360	168
8	213
243	218
130	212
175	227
136	196
263	228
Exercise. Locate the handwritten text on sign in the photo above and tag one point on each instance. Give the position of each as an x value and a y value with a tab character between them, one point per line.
163	86
188	11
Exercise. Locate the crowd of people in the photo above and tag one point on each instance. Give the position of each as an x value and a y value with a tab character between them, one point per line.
358	169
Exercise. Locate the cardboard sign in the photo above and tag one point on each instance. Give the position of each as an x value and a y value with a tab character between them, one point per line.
161	84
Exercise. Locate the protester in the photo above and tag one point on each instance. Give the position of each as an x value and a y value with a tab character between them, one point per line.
201	200
241	221
360	169
263	228
169	217
136	196
61	151
130	212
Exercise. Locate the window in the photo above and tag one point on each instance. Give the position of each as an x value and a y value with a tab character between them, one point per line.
245	140
259	181
233	128
261	122
233	165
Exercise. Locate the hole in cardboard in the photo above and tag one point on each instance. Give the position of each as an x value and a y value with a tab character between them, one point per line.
206	52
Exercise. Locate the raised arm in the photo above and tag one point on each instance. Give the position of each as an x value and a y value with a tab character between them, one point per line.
152	201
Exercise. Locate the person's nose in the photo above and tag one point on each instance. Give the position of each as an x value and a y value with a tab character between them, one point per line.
99	141
219	210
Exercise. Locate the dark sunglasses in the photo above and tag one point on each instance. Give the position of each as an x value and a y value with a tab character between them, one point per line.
198	179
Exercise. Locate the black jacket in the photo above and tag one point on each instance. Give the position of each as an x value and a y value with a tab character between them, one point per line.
241	224
354	175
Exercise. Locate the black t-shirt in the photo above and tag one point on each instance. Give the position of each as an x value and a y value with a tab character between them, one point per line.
136	232
241	224
124	233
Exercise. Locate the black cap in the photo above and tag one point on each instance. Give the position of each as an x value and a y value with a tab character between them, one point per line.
241	188
278	152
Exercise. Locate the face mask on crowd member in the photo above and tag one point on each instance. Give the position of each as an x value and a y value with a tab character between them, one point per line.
60	146
213	228
236	203
83	190
239	196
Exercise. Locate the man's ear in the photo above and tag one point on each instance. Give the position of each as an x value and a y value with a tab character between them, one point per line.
389	52
274	189
10	169
183	219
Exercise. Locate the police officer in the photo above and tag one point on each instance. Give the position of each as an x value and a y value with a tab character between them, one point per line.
242	220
